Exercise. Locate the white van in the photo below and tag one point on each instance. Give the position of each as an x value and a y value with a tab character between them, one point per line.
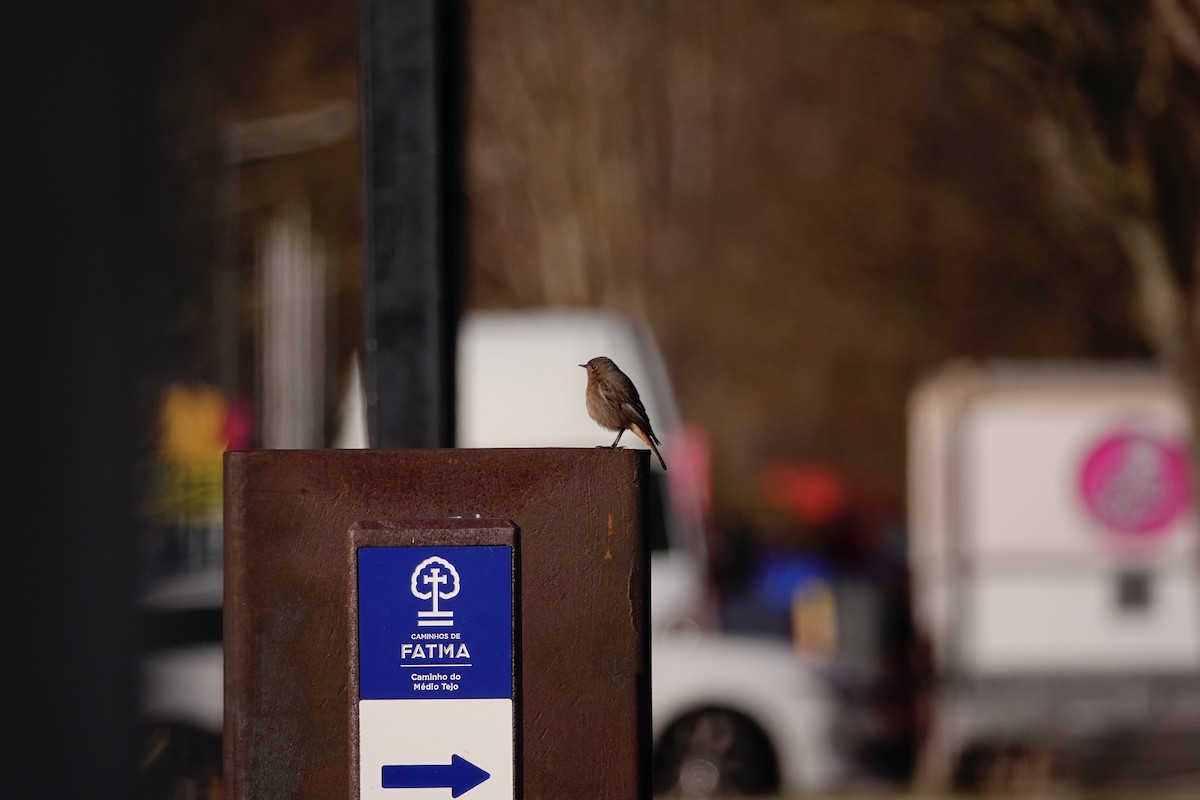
1053	544
732	714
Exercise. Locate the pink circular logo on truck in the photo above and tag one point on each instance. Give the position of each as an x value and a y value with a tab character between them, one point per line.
1135	484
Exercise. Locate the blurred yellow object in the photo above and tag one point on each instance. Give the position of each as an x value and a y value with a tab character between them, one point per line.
184	482
814	621
193	426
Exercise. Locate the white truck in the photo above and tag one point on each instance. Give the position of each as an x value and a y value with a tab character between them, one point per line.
1053	549
731	714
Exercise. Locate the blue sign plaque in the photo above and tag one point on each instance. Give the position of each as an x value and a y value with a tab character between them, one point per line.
435	671
435	622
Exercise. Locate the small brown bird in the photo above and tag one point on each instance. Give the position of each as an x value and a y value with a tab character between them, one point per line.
612	400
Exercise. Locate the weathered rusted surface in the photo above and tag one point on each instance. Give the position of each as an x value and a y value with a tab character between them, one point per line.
583	640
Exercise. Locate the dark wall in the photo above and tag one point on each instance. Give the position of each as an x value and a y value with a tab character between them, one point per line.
78	247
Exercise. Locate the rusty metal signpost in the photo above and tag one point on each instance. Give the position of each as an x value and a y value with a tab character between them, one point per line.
425	624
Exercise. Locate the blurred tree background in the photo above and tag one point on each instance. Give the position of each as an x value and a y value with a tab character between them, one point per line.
811	202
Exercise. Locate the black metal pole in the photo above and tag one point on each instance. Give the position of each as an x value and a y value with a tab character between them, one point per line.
411	211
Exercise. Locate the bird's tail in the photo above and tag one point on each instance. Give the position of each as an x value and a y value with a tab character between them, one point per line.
648	439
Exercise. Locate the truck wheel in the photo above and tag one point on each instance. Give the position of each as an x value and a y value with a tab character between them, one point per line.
714	751
972	768
1002	768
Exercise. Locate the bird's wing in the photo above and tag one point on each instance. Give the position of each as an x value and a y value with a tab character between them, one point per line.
638	411
608	394
631	401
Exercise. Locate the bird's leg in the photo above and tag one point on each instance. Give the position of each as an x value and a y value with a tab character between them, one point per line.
620	433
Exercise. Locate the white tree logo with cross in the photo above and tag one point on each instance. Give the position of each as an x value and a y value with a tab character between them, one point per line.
442	579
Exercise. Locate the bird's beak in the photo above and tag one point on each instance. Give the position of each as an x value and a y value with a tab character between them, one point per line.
583	365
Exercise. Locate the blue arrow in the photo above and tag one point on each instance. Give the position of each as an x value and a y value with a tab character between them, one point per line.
460	776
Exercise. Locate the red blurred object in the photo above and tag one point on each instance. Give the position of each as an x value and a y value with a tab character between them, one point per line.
239	425
690	479
814	494
691	466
